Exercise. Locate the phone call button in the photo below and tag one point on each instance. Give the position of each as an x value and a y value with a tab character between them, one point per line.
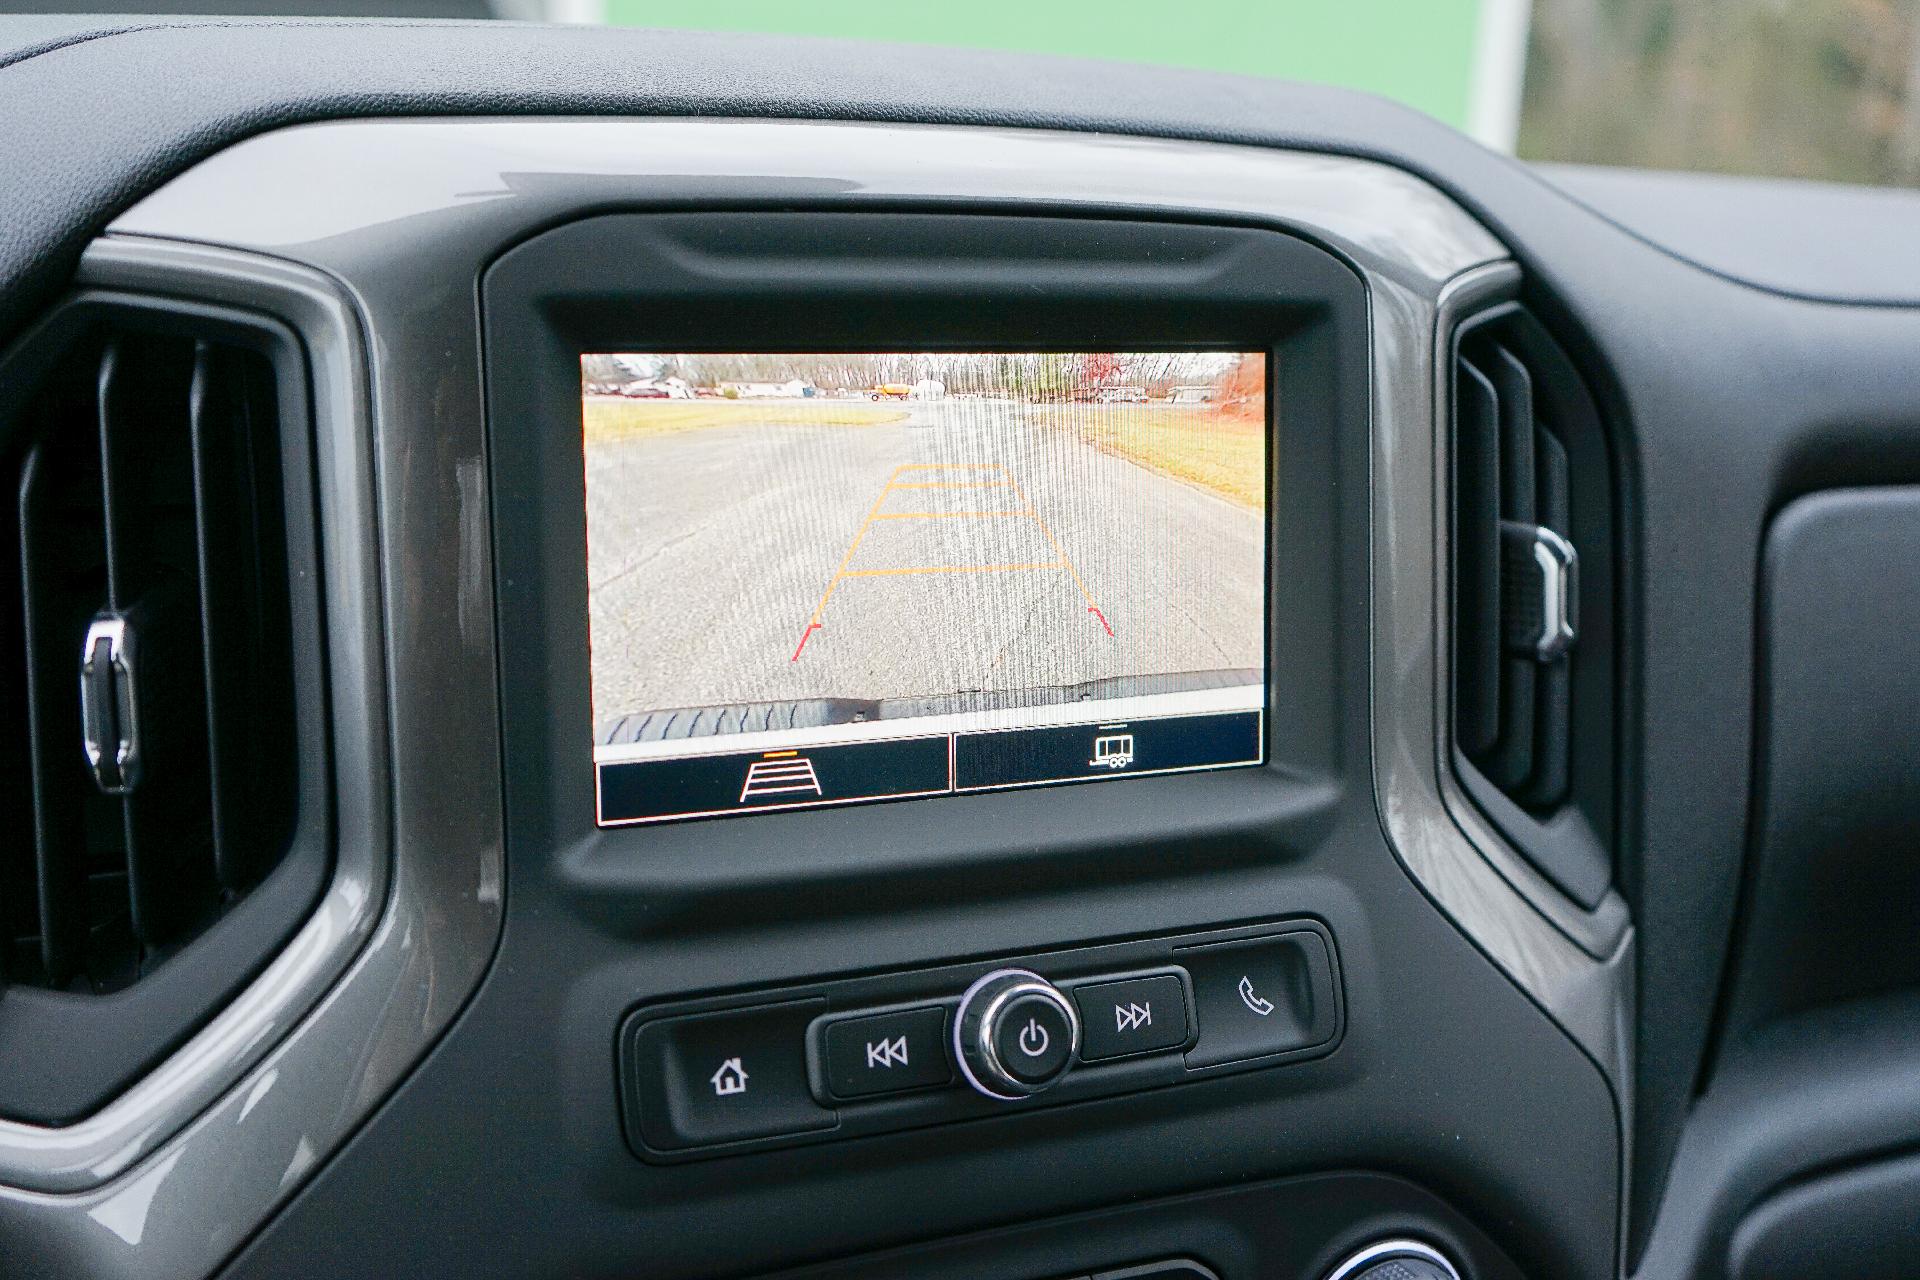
1258	997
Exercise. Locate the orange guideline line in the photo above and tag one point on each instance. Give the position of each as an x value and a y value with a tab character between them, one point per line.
950	568
1030	512
1060	550
813	623
950	484
944	515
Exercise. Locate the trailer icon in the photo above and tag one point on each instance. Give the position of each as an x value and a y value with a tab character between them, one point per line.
1112	751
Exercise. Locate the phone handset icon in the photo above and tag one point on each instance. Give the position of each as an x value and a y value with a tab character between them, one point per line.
1258	1004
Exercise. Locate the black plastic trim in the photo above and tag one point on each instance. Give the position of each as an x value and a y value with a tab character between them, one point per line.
63	1056
1070	970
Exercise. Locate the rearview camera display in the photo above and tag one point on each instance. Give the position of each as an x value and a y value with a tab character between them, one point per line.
825	579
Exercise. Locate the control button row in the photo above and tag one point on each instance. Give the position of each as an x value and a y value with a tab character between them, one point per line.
1170	1269
737	1075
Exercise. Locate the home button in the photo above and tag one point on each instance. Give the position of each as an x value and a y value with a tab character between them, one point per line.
722	1077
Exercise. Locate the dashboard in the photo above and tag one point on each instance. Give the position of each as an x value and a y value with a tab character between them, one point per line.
1026	673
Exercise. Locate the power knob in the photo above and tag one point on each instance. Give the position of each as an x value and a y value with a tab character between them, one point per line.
1015	1035
1396	1260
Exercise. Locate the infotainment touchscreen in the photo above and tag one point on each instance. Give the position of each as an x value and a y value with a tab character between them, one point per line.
835	578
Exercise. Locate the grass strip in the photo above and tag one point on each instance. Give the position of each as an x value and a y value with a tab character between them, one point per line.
1225	454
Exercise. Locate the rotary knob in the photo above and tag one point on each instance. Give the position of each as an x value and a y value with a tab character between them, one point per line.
1396	1260
1016	1034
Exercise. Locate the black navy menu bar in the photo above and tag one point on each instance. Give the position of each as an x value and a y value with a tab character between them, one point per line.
937	764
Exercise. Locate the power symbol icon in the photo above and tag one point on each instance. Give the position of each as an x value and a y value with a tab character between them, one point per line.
1033	1038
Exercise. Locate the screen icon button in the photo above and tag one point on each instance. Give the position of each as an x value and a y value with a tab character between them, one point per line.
1112	750
991	758
779	773
651	787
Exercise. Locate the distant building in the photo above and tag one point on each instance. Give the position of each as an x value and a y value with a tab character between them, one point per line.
793	390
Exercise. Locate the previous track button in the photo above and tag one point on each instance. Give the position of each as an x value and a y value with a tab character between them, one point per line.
886	1053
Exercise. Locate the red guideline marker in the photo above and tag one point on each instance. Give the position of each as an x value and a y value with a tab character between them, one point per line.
1090	609
811	628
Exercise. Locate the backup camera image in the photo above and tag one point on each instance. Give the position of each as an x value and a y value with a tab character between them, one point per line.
819	579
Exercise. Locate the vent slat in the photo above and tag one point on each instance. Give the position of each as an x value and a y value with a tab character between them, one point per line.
1518	472
62	581
215	533
153	568
19	881
239	546
1477	561
1511	761
1553	717
1555	488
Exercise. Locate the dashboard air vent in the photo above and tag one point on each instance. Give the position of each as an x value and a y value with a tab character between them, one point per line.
1532	550
149	736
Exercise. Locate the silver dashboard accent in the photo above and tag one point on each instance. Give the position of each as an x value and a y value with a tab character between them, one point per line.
90	1155
1578	965
110	705
367	237
1387	1251
1559	566
173	1175
313	191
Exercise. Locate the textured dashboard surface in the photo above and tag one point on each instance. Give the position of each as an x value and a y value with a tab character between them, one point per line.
1812	239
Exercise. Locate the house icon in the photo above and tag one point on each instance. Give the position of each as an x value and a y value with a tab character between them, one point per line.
730	1078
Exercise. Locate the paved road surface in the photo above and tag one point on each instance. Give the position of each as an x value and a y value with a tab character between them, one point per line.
965	549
